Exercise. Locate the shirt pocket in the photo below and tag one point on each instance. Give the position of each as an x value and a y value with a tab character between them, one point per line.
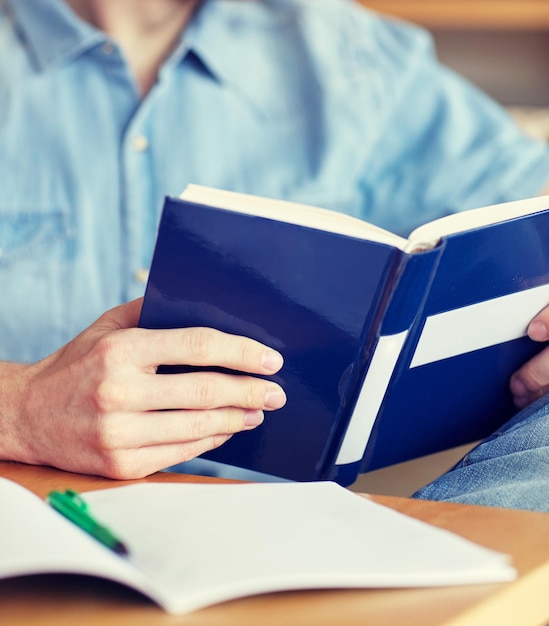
37	250
25	233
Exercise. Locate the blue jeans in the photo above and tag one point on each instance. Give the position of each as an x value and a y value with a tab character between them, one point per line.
508	469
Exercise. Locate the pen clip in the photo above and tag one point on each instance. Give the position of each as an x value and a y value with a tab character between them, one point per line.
69	503
75	499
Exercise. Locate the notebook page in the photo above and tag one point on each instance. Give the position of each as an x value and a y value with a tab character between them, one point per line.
203	544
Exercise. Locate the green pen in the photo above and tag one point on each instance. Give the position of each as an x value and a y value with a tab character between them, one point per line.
70	504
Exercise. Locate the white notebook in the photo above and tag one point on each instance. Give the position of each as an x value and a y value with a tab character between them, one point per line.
193	545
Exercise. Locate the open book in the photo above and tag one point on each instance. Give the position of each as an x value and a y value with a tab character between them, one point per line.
195	545
394	348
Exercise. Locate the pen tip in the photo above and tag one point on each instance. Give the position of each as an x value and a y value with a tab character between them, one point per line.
120	549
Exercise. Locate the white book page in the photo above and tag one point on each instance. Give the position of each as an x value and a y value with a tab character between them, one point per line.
293	213
203	544
430	233
422	238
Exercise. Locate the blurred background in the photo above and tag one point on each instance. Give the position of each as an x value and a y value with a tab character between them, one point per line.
503	47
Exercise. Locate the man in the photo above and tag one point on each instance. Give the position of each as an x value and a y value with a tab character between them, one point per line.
106	108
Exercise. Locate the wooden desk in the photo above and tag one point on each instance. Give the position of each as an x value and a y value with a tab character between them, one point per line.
69	600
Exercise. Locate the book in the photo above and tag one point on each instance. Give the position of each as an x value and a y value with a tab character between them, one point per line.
194	545
394	348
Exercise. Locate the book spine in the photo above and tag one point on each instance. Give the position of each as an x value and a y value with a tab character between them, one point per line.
394	341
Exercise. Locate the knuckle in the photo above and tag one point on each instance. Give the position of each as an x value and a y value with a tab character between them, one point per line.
190	451
106	437
194	448
107	349
108	396
233	422
532	377
198	344
248	352
205	391
254	396
123	465
220	422
116	465
200	426
219	440
114	468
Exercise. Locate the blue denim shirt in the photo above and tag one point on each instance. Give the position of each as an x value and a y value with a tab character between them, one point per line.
315	101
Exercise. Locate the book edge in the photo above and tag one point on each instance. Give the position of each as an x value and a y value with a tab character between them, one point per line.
292	212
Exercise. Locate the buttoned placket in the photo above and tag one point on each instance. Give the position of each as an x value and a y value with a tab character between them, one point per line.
139	195
136	187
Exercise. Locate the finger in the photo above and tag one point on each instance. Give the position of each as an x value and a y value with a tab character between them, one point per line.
192	390
140	430
205	390
538	329
141	462
522	401
206	347
531	381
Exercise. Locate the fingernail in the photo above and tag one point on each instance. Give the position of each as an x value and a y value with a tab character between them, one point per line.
272	360
274	399
253	418
538	331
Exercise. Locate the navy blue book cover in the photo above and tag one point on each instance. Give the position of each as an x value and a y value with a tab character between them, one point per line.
315	296
453	388
389	355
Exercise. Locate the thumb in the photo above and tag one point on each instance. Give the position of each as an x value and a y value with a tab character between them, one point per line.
123	316
538	329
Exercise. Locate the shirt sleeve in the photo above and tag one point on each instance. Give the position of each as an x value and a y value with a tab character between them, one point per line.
442	145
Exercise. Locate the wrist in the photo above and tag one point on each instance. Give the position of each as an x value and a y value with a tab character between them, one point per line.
13	396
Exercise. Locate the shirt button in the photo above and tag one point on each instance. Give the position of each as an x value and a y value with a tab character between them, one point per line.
107	48
140	143
141	275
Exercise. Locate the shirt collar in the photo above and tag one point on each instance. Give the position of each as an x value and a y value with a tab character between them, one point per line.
229	37
52	31
240	44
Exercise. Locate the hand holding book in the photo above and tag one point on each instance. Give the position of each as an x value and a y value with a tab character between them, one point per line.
97	406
